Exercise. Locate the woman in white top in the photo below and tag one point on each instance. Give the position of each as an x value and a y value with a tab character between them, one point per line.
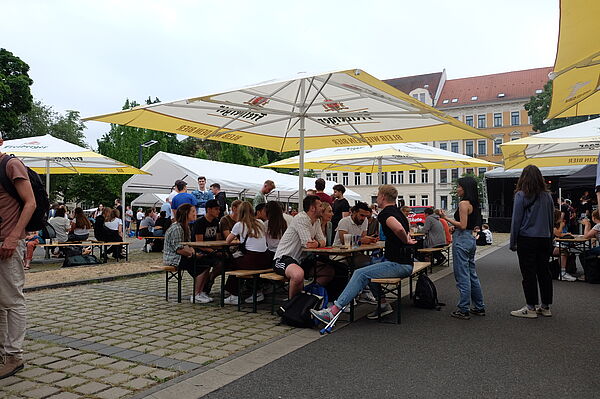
250	231
113	232
79	226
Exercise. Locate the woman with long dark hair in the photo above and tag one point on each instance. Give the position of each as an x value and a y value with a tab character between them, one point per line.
466	217
531	236
276	225
80	226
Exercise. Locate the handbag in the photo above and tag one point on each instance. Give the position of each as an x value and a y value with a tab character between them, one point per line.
241	251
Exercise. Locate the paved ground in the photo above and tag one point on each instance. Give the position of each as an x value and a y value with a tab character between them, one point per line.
434	355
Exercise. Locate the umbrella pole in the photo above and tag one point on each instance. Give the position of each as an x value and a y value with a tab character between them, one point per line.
380	170
301	158
48	177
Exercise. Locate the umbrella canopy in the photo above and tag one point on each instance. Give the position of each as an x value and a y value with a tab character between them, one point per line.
47	154
383	158
576	75
571	145
335	109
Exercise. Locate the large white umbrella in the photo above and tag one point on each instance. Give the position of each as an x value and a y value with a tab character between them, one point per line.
49	155
337	109
570	145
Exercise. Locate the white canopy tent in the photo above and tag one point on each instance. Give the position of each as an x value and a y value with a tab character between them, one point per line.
150	199
235	180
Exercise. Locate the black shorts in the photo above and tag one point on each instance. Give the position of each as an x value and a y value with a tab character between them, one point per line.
280	264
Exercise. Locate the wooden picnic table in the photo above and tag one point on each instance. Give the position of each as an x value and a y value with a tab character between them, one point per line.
85	243
579	243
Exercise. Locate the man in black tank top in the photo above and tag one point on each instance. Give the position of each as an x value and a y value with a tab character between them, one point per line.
397	252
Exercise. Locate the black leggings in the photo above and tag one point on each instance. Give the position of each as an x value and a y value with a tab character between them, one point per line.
534	254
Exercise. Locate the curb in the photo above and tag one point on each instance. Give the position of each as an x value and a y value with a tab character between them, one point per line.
67	284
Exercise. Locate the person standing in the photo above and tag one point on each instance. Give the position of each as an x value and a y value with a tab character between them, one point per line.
202	195
531	236
139	216
320	191
14	216
128	218
261	196
220	198
466	217
166	208
341	207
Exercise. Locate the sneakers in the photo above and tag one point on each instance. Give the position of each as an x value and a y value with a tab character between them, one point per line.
567	277
367	297
201	298
324	316
460	315
259	297
525	312
543	311
11	366
477	312
231	300
385	308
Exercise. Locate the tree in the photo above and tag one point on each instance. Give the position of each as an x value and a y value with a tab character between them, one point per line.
538	108
36	122
481	190
15	94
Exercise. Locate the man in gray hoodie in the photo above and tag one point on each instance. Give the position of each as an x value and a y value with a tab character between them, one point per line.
435	235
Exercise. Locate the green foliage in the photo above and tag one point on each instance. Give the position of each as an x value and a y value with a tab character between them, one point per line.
539	106
480	188
15	95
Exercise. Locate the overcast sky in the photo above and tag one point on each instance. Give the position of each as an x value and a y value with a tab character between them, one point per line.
90	56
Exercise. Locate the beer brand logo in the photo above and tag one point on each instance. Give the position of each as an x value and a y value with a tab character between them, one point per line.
258	101
331	105
574	93
33	143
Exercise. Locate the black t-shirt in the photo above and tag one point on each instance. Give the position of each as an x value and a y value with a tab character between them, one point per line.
339	206
473	219
222	200
165	223
208	229
395	250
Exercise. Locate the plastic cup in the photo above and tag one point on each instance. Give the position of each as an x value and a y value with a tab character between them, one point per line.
347	240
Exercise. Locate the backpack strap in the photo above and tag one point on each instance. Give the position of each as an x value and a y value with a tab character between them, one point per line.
8	185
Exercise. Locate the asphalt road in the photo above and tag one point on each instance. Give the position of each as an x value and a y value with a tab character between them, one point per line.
433	355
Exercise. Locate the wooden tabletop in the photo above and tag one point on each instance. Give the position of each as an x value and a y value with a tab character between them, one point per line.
211	244
576	239
343	250
417	234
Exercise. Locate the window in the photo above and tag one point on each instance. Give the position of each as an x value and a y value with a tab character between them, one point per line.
328	176
497	142
393	177
514	138
412	200
443	176
357	179
384	178
514	118
400	177
422	97
416	96
481	147
474	98
539	91
444	202
445	101
443	146
345	178
400	200
424	176
335	177
424	200
497	119
500	95
454	174
455	100
470	171
368	179
454	146
481	122
481	171
412	176
469	120
469	150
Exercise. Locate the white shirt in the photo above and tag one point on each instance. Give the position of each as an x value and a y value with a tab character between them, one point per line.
171	196
488	236
114	224
348	225
252	244
298	233
288	218
140	215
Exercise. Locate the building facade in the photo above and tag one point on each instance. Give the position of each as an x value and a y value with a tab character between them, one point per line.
493	103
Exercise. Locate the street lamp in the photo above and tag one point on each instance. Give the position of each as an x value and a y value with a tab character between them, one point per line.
145	145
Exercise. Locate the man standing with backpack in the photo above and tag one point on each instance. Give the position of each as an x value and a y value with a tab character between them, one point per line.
14	216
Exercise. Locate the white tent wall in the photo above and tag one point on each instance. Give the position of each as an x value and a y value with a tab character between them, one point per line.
235	180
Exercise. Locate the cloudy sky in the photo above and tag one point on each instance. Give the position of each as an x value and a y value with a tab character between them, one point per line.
90	56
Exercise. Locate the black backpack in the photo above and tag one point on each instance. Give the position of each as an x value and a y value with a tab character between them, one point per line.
295	311
80	260
40	214
426	295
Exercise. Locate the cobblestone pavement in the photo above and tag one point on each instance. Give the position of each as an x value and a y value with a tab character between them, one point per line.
118	338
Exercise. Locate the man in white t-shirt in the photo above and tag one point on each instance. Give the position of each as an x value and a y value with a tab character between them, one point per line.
356	225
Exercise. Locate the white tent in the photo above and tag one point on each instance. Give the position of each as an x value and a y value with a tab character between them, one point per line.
149	200
235	180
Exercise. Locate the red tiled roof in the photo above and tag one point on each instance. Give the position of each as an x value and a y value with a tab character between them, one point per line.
514	85
409	83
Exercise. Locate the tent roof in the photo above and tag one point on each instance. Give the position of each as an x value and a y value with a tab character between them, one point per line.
586	177
500	173
234	179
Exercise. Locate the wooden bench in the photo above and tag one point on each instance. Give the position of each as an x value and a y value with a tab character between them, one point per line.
275	279
91	243
431	251
149	240
170	273
247	274
418	268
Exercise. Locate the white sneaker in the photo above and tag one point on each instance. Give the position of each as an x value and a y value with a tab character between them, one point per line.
386	309
543	311
567	277
525	312
367	297
259	297
201	298
231	300
205	297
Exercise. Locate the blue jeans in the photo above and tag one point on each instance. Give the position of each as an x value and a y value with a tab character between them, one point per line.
360	278
467	282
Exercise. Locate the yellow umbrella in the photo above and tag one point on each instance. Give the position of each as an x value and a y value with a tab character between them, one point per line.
576	75
337	109
383	158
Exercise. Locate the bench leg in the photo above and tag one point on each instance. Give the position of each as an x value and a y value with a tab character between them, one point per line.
239	284
254	294
410	284
398	303
379	304
167	286
273	295
179	275
222	295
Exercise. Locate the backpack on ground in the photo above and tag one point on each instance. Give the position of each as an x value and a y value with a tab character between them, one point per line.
295	311
318	290
40	214
80	260
426	295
